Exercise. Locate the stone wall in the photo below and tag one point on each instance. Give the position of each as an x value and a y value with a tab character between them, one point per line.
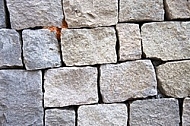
95	63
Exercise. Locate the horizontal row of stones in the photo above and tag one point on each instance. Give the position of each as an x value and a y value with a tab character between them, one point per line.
93	13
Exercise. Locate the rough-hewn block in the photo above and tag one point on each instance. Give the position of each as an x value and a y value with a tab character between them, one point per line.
2	15
27	13
129	41
186	112
58	117
70	86
40	49
102	115
155	112
141	10
177	9
10	48
134	79
90	13
21	98
88	46
174	78
166	40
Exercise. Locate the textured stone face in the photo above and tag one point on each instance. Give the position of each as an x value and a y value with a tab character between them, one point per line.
155	112
174	78
134	79
2	14
10	48
90	13
21	98
102	115
70	86
166	40
186	112
27	13
57	117
141	10
88	46
40	49
176	9
130	41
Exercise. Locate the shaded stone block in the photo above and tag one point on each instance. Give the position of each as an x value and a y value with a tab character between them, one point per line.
186	112
2	15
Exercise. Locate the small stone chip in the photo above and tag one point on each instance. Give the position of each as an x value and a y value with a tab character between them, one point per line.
186	112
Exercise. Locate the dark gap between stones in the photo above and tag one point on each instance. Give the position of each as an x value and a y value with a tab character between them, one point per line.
128	114
43	91
180	101
117	46
100	99
7	15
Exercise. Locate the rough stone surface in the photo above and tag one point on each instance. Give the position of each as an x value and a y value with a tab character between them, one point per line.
102	115
166	40
27	13
58	117
155	112
176	9
10	48
141	10
2	15
174	78
40	49
21	98
186	112
70	86
88	46
129	41
90	13
134	79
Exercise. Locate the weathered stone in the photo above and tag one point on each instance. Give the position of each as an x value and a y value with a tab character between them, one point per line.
186	112
129	41
70	86
25	14
155	112
2	15
133	79
40	49
102	115
88	46
176	9
142	10
174	78
166	40
21	98
10	48
58	117
90	13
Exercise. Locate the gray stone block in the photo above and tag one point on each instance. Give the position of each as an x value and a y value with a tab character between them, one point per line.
186	112
2	15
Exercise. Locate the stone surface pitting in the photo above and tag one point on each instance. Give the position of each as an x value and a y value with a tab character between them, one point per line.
176	9
40	49
174	78
26	14
70	86
88	46
166	40
21	98
129	41
155	112
102	115
2	15
10	48
133	79
90	13
59	117
141	10
186	112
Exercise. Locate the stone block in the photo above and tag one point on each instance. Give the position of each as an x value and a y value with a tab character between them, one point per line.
186	112
2	14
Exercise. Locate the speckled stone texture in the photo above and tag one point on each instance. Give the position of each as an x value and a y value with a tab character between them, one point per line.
90	13
70	86
10	49
40	49
155	112
88	46
21	98
2	15
166	40
141	10
102	115
133	79
174	78
129	41
186	112
27	13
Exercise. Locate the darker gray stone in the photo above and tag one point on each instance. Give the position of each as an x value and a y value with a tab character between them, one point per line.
2	14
